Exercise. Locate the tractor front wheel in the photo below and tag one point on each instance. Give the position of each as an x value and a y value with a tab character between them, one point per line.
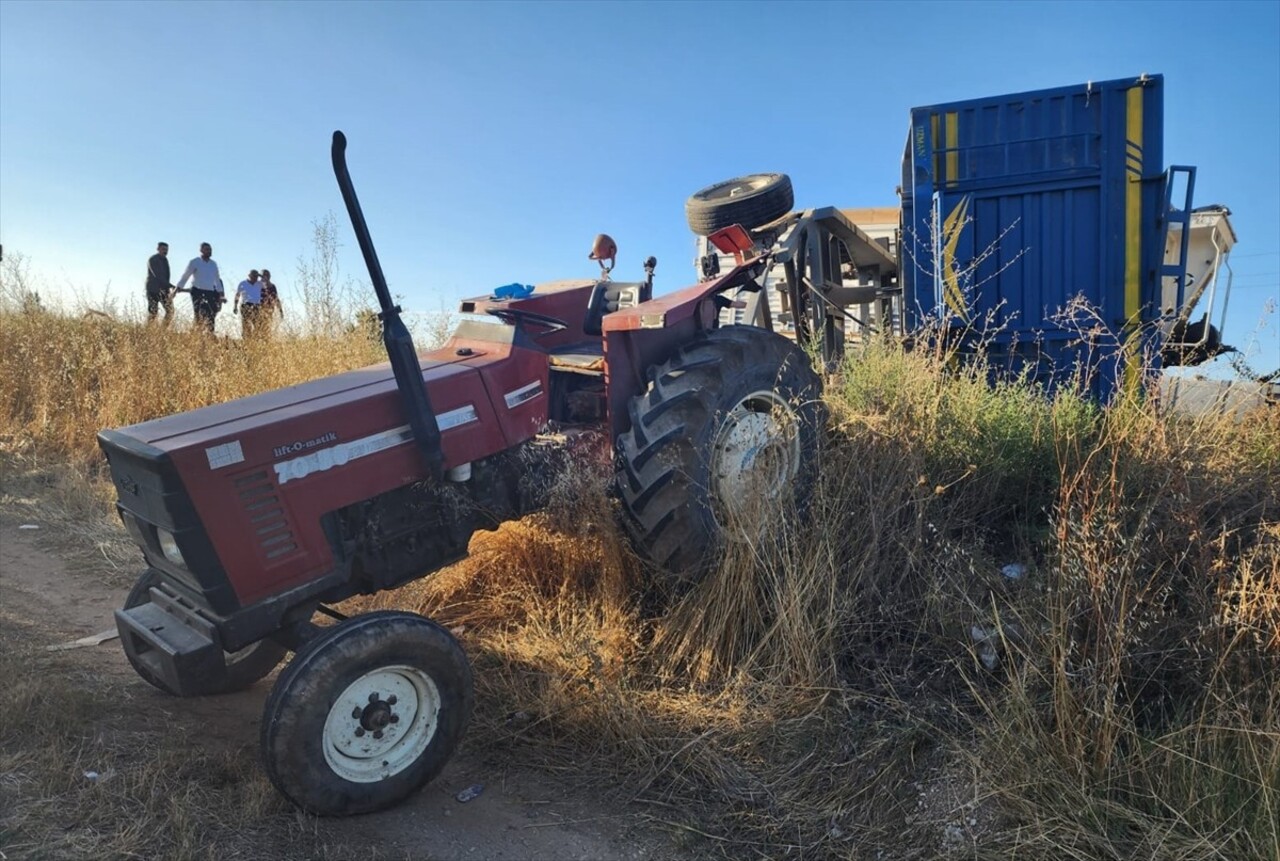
725	438
367	713
244	667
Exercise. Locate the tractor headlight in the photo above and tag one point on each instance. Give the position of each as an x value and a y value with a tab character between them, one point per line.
169	547
134	528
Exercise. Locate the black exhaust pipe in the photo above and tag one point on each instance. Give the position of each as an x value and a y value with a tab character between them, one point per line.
395	335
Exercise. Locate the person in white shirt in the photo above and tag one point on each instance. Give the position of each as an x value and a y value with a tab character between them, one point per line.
249	298
207	294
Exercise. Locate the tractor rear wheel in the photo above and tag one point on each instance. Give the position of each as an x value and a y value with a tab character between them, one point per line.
244	667
725	438
367	713
747	200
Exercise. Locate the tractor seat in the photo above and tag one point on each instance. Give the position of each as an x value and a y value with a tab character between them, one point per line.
587	358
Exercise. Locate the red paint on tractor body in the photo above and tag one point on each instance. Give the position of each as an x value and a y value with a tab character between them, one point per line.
637	338
262	472
299	452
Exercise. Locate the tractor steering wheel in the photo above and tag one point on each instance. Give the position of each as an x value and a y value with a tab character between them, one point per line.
517	316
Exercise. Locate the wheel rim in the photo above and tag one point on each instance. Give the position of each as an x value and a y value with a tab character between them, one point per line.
755	459
381	724
736	188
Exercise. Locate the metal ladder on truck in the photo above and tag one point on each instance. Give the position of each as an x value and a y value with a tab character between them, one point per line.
1196	244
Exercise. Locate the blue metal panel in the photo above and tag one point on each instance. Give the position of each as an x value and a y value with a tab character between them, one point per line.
1014	206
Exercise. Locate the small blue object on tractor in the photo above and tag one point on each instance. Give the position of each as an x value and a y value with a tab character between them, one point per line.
513	291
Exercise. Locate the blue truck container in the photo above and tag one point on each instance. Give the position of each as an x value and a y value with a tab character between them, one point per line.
1013	206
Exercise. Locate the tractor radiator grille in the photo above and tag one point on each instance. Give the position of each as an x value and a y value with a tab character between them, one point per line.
267	521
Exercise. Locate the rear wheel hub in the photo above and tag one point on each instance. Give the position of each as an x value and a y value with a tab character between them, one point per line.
755	459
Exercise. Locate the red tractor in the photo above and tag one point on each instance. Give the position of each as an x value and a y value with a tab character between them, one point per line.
256	514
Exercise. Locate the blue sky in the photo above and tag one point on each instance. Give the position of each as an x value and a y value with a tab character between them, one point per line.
490	142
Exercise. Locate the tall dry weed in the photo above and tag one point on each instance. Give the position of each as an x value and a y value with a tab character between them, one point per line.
1145	694
63	379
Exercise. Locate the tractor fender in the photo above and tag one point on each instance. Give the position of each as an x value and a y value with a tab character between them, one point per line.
646	334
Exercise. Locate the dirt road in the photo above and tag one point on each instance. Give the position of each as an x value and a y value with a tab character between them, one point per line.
519	814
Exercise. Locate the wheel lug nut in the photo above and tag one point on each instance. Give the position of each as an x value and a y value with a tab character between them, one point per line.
373	697
359	731
356	712
391	700
377	733
395	718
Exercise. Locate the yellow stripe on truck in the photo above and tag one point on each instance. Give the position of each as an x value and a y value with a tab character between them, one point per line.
933	137
953	151
1132	240
1133	207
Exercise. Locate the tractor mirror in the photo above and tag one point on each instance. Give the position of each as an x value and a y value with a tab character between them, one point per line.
604	248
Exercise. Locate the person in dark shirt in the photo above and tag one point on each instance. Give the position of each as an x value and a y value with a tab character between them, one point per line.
159	290
270	300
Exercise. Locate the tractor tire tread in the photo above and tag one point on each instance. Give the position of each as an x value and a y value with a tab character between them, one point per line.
663	476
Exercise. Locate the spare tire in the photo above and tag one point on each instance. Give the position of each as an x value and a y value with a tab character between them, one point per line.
748	200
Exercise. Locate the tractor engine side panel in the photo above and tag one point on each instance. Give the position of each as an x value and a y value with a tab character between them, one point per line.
261	481
517	387
264	515
394	537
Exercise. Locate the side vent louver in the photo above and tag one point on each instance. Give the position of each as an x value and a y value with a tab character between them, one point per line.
270	527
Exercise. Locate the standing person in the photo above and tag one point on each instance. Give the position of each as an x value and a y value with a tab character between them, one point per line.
207	294
159	288
270	300
249	295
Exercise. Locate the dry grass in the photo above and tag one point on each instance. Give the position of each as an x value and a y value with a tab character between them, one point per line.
62	379
821	694
94	768
88	772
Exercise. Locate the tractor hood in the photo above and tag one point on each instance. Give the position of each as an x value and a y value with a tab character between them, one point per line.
273	409
347	415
